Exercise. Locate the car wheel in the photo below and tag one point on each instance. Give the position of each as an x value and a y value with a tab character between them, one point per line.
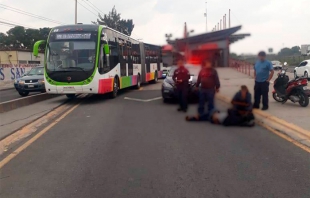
295	75
70	96
23	93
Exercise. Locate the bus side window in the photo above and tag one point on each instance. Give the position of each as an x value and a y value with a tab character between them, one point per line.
103	64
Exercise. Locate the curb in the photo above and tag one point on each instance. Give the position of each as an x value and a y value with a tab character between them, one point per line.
21	102
8	88
270	122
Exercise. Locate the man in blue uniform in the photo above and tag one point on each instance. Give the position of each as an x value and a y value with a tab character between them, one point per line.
181	78
263	73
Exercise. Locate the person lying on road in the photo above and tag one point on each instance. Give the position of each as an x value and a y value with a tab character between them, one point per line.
240	115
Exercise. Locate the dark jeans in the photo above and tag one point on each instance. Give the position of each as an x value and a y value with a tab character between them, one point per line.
206	95
182	94
261	89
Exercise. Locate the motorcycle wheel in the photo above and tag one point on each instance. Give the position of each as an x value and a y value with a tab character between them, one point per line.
304	99
277	98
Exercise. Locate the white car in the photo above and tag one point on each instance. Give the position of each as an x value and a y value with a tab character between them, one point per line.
276	64
303	69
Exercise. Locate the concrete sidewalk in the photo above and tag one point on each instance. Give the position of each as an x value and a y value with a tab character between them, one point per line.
231	80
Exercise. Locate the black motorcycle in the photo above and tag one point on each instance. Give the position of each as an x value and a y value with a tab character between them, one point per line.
294	90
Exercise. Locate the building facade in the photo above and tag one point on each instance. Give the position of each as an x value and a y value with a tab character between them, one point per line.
13	57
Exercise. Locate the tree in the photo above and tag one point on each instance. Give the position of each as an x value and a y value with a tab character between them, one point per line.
290	51
233	55
296	50
114	21
21	38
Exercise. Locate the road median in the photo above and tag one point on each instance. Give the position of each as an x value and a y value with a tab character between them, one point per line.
21	102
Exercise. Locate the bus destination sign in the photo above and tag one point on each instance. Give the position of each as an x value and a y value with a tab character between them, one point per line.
73	36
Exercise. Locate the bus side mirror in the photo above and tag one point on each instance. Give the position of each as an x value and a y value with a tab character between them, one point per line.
106	49
36	47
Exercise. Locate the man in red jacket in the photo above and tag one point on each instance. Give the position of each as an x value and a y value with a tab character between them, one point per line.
209	83
181	78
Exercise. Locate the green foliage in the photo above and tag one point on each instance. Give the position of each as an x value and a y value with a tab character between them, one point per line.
233	55
290	51
114	21
21	38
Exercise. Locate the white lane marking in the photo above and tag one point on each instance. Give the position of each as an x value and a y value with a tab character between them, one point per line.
142	100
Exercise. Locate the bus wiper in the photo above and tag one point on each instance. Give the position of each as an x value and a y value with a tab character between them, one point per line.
77	68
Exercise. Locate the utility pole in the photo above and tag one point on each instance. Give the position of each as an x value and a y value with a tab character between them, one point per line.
229	18
75	11
221	25
206	15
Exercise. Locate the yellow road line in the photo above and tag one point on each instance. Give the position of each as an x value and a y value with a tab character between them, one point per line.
296	129
33	139
304	147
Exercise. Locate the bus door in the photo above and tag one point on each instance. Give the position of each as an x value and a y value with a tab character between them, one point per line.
123	56
143	65
129	58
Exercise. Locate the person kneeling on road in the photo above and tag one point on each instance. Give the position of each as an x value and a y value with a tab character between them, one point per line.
240	115
209	83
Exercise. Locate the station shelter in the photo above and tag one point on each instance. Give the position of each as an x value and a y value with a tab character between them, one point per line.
211	45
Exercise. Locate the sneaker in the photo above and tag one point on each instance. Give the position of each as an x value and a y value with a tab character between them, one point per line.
180	109
184	110
264	108
255	107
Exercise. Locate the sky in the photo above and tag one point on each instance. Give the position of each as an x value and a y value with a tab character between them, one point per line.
271	23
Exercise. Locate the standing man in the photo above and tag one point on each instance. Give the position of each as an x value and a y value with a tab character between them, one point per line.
181	78
209	83
263	73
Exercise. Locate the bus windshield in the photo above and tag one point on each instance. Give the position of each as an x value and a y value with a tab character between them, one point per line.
71	55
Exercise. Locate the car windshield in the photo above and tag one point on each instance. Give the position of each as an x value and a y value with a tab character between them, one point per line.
71	55
193	70
36	71
275	62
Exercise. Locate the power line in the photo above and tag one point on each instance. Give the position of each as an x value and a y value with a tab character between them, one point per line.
12	24
17	24
90	4
28	14
88	9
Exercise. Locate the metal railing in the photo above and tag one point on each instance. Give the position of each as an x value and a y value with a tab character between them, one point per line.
242	66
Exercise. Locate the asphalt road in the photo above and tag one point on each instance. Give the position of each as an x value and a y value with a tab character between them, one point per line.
11	94
123	148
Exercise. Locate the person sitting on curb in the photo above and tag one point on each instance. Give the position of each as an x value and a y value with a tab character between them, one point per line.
242	101
240	115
